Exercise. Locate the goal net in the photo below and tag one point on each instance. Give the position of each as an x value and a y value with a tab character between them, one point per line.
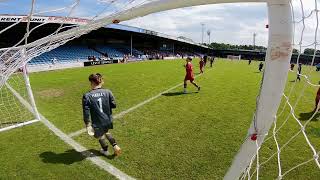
231	57
13	112
273	136
289	149
23	53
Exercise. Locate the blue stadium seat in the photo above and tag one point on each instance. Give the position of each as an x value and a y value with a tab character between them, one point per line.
65	54
112	52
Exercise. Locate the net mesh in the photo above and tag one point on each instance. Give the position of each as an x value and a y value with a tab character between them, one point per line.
291	149
20	49
31	45
12	111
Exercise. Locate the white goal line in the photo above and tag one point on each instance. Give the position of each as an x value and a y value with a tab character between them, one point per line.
19	125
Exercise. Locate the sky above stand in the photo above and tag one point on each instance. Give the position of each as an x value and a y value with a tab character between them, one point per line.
228	23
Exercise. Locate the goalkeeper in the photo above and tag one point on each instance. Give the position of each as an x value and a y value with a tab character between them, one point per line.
98	104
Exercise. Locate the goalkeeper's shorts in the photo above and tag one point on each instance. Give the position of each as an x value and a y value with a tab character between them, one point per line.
100	131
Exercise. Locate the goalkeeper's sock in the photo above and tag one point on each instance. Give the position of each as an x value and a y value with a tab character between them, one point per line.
111	139
103	144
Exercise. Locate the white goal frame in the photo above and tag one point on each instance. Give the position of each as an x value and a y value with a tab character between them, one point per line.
232	57
277	61
33	110
275	75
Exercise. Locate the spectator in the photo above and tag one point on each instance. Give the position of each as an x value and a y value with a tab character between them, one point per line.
318	67
292	67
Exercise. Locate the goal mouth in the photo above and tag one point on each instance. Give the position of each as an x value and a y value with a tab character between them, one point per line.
284	35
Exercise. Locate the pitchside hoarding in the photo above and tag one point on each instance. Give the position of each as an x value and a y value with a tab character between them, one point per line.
94	63
43	19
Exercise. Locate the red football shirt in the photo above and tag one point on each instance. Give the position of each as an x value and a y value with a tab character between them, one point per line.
201	63
189	70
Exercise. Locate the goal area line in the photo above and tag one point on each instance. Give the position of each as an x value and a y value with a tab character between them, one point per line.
102	164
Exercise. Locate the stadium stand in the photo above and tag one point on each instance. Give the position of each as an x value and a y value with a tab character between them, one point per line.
115	42
65	54
127	50
109	51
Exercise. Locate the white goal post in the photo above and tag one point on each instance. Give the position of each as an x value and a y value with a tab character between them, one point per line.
11	92
232	57
273	84
277	63
275	76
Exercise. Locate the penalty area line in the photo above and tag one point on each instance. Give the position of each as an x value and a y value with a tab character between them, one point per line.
78	147
121	114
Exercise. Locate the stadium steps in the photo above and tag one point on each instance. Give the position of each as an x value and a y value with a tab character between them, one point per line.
65	54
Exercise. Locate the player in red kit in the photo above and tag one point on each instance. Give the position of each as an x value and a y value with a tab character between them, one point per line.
201	63
317	99
189	75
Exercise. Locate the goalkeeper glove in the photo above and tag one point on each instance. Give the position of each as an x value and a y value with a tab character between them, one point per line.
90	130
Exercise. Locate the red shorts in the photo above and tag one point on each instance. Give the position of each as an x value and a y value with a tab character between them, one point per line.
189	78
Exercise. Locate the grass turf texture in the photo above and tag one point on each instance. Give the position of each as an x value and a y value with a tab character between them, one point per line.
9	103
192	136
33	152
59	93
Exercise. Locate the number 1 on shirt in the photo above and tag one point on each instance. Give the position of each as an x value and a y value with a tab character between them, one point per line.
100	104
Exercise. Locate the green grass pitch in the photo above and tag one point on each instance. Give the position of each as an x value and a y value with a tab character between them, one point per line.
176	136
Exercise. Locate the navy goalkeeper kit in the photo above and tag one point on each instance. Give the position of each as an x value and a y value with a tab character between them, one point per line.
98	105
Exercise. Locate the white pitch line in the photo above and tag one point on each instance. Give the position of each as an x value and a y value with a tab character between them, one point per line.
121	114
77	133
78	147
19	125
